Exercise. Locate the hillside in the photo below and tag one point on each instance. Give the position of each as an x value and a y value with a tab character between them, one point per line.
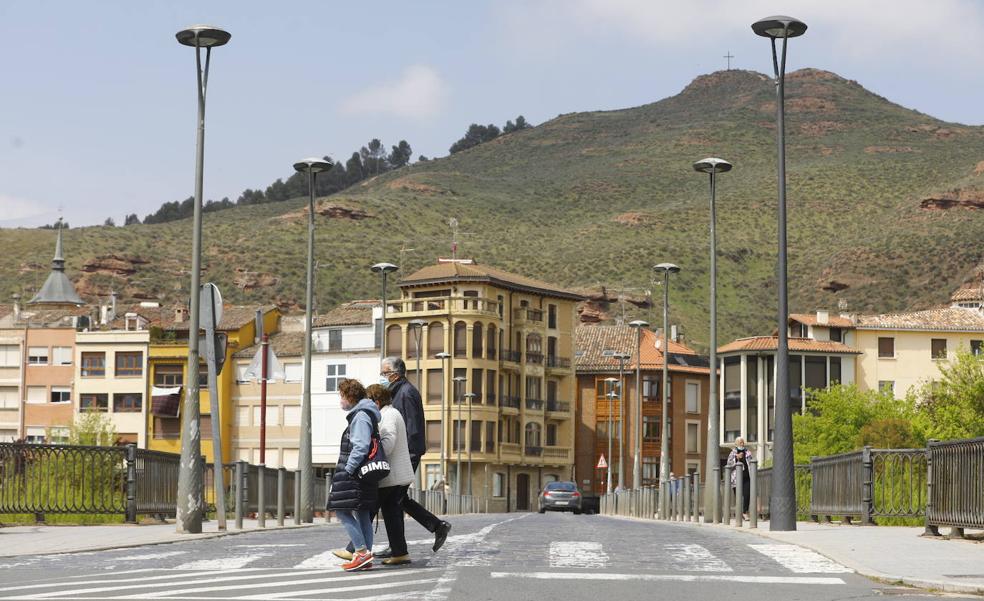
885	211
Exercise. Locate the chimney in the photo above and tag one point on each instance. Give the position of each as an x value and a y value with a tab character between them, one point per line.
675	333
16	298
112	306
823	317
103	314
180	314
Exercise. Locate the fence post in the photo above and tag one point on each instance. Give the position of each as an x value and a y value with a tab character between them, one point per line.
204	492
753	505
261	495
726	506
297	498
686	498
715	499
281	478
131	484
867	486
696	506
240	492
739	494
930	529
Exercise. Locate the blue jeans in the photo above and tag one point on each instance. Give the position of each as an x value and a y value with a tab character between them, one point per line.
358	525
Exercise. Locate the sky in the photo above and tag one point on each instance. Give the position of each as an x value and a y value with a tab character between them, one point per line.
97	110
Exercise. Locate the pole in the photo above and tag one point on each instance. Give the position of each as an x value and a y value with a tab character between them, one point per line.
191	505
457	472
265	349
783	501
611	397
621	436
470	444
382	343
304	461
713	409
215	408
444	432
664	447
637	462
419	333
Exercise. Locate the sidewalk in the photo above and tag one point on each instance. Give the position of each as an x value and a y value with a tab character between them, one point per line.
45	540
889	553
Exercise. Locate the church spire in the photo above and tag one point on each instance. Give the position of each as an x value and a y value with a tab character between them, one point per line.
57	289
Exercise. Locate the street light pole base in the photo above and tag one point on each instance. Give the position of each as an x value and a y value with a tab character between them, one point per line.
782	514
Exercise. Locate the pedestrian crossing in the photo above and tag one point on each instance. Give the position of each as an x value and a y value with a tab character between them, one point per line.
295	572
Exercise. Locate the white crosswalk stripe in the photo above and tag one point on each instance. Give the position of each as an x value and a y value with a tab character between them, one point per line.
694	558
800	560
577	554
223	563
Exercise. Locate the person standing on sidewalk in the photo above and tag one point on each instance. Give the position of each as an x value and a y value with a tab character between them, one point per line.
352	499
393	488
406	400
739	454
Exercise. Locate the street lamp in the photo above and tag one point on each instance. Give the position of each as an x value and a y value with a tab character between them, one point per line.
782	503
444	389
612	383
312	167
470	396
637	460
664	446
190	506
417	329
385	269
460	380
713	166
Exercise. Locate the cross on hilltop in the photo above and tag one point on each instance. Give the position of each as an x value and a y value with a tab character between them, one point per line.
729	56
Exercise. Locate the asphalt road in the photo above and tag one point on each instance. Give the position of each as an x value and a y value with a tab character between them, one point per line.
504	557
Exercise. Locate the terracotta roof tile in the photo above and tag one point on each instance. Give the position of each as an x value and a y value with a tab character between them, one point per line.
285	344
968	293
771	343
446	272
233	317
941	319
833	321
353	313
592	342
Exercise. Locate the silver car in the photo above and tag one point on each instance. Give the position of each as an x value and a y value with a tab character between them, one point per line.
560	496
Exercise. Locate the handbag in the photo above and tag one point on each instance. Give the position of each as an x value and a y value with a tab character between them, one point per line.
374	467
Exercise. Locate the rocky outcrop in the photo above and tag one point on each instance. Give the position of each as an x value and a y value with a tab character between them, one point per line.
964	199
251	280
114	265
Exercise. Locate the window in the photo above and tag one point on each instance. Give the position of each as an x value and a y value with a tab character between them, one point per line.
292	415
61	355
9	399
489	437
490	343
490	386
976	347
93	365
129	364
272	416
551	435
552	317
477	351
458	435
334	340
9	355
242	417
534	388
816	372
433	435
650	388
476	381
293	372
377	332
475	440
752	399
8	435
37	394
938	348
127	402
732	398
886	386
498	485
168	375
650	470
835	371
35	435
94	402
435	386
886	347
435	339
533	432
837	334
167	427
37	355
334	373
693	437
460	339
693	397
205	424
394	341
433	475
650	428
61	394
552	390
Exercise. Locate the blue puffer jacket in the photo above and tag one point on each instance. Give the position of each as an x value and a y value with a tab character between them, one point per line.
347	492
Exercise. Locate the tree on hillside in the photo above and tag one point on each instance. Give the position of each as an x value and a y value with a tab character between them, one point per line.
520	123
54	226
131	219
354	168
109	222
422	159
400	155
475	135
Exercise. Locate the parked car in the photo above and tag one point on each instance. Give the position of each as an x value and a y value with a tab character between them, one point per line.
560	496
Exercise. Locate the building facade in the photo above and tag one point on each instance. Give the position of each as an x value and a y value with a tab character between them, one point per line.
501	406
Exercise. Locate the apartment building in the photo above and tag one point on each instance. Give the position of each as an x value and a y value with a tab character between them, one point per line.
501	406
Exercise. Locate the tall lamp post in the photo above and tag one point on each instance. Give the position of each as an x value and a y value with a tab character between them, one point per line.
664	446
713	166
312	167
444	403
612	383
191	505
637	443
470	396
782	503
384	269
459	381
417	328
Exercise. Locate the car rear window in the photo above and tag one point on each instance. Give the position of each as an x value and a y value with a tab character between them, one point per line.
562	486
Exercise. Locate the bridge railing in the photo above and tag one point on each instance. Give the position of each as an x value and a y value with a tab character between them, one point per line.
956	485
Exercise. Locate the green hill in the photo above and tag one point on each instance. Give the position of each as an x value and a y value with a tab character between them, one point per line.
597	198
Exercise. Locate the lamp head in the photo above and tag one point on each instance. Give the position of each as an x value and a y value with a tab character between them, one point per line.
314	165
417	323
383	268
712	165
638	324
667	268
779	26
470	395
459	378
442	356
203	36
611	379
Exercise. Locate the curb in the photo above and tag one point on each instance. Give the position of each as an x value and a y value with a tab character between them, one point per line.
153	543
932	585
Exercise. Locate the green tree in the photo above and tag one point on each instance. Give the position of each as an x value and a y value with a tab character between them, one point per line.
520	123
475	135
92	429
400	155
131	219
109	222
953	407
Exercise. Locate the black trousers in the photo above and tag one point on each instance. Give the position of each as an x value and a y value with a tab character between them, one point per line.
746	493
415	510
391	506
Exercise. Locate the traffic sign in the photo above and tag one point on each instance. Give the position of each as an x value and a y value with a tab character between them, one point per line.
602	464
210	301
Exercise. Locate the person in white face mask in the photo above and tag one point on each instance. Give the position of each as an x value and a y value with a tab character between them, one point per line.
741	454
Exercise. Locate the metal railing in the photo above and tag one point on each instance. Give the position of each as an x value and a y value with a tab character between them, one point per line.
509	401
512	356
553	361
534	404
558	406
534	357
438	503
956	485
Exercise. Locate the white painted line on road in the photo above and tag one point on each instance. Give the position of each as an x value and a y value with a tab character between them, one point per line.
671	577
695	558
148	556
340	589
577	554
800	560
321	560
271	546
223	563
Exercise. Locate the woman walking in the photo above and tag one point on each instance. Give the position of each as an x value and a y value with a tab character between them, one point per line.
739	454
393	488
354	500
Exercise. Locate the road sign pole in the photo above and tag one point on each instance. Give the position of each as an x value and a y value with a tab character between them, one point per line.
212	303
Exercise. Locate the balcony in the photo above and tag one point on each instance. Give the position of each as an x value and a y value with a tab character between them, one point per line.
442	305
557	454
511	356
555	362
534	404
509	450
490	399
556	406
509	402
533	451
534	357
527	315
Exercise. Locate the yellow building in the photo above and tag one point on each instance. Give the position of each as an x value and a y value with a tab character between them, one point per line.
511	341
167	368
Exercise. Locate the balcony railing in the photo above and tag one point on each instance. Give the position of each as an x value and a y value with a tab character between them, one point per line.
561	453
533	451
534	357
558	406
534	404
510	401
509	448
490	398
556	362
524	314
439	305
514	356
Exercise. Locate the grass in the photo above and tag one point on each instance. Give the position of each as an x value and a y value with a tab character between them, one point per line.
543	202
